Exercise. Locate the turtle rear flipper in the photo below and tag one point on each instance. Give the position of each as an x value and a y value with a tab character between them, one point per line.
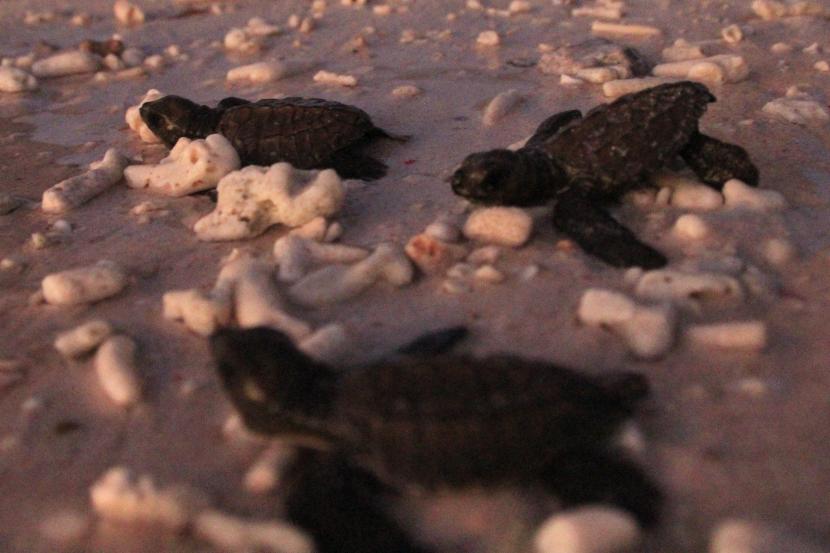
341	507
351	164
715	161
596	476
600	235
551	126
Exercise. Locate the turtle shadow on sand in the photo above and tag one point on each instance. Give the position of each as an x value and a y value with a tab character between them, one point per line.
308	133
586	162
425	420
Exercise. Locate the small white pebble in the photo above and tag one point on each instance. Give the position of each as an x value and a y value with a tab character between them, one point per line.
732	34
489	274
504	226
822	66
690	227
82	339
528	272
382	10
127	13
13	79
66	63
687	193
781	48
605	307
485	254
406	91
329	78
117	372
85	284
673	285
778	251
747	335
488	38
739	195
588	529
260	72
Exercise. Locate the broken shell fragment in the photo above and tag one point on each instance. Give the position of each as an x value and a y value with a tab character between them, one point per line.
191	166
255	198
75	191
84	284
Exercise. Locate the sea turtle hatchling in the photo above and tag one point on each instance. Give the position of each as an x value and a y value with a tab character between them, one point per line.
430	421
308	133
585	162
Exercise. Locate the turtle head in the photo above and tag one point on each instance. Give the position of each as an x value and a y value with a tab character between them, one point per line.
172	117
275	387
505	177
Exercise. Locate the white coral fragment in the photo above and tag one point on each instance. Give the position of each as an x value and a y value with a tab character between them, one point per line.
255	198
647	330
724	68
230	533
296	255
590	529
82	339
624	29
774	9
673	285
682	50
127	13
117	371
191	166
505	226
738	194
137	124
338	283
202	313
13	79
798	110
500	106
75	191
744	335
260	72
84	284
119	495
335	79
66	63
688	193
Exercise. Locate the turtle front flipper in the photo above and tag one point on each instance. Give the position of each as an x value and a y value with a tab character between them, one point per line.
551	126
341	507
600	235
435	343
715	161
351	164
598	476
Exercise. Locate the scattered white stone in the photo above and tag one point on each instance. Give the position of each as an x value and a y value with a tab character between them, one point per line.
66	527
691	227
66	63
500	106
260	27
773	9
813	49
600	75
724	68
489	274
306	25
610	10
406	91
256	198
623	29
334	79
687	193
683	50
781	48
432	255
612	89
739	195
230	533
296	255
202	313
732	34
119	496
156	61
822	66
75	191
647	330
260	72
778	251
488	38
746	335
529	272
240	40
338	283
82	339
743	536
485	254
13	79
443	230
117	372
191	166
36	18
504	226
127	13
382	10
567	80
265	475
589	529
519	6
672	285
85	284
798	110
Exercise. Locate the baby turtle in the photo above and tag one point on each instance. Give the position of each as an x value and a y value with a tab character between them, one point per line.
308	133
428	421
585	162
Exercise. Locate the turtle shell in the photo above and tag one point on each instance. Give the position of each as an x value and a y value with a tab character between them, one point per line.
454	421
305	132
617	146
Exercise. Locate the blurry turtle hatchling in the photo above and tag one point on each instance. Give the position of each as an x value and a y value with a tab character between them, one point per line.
586	162
426	421
308	133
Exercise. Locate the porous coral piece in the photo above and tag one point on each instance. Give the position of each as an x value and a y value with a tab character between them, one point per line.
84	284
192	165
593	53
255	198
337	282
137	124
75	191
725	68
66	63
673	285
117	371
13	79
